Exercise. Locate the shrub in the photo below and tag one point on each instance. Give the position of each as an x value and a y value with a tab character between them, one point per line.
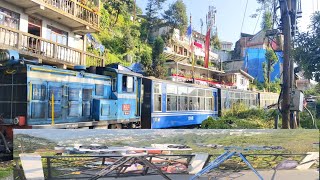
241	117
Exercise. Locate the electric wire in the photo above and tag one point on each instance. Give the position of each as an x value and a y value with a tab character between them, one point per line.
257	23
244	15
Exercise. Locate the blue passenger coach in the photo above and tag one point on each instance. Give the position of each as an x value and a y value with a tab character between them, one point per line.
168	104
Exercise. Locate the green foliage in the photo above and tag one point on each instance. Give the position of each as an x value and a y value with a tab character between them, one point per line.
176	16
157	50
120	35
271	60
266	23
315	91
215	42
306	53
199	62
241	117
306	119
152	9
146	61
6	171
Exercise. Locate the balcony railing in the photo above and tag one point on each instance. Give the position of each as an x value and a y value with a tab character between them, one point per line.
38	47
76	9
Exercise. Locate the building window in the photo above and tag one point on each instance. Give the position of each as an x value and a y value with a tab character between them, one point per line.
242	81
57	35
9	18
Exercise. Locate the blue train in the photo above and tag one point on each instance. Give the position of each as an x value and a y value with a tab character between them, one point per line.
168	104
40	96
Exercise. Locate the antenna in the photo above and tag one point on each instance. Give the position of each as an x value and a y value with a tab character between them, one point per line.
201	23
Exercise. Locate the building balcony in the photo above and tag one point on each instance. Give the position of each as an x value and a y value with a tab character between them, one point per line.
71	13
48	52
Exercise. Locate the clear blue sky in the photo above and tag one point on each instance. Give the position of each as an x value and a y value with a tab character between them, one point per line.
230	14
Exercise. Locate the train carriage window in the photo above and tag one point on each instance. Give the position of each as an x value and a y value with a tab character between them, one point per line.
202	103
114	84
209	93
192	91
183	103
183	91
157	88
99	90
39	92
193	103
202	92
171	103
127	84
209	104
157	102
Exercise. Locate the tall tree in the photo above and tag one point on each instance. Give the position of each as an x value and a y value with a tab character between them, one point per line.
307	51
176	16
266	23
152	9
271	60
116	7
215	42
158	58
267	9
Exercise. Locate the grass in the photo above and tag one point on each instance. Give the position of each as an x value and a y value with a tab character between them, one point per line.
6	169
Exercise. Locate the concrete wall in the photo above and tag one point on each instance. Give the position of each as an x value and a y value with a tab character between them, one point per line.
74	41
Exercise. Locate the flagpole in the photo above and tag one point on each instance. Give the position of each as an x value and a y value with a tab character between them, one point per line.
191	48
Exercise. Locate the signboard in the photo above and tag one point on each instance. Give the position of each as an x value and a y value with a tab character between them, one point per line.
125	107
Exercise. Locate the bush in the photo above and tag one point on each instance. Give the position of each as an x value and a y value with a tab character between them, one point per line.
241	117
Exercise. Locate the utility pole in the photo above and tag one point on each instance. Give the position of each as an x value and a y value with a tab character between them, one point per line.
285	6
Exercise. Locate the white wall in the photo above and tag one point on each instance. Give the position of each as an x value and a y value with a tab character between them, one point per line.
73	41
243	86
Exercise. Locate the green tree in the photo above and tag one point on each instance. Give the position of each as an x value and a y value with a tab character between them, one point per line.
146	61
271	59
158	58
267	23
267	18
152	9
215	42
116	7
176	16
307	51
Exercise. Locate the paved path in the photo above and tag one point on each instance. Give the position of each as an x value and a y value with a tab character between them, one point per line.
311	174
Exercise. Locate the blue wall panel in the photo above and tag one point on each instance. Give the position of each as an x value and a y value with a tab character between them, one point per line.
253	64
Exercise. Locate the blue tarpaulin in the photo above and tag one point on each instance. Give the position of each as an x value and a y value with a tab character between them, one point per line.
253	60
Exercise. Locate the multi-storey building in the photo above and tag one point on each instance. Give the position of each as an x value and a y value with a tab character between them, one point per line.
226	46
51	31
